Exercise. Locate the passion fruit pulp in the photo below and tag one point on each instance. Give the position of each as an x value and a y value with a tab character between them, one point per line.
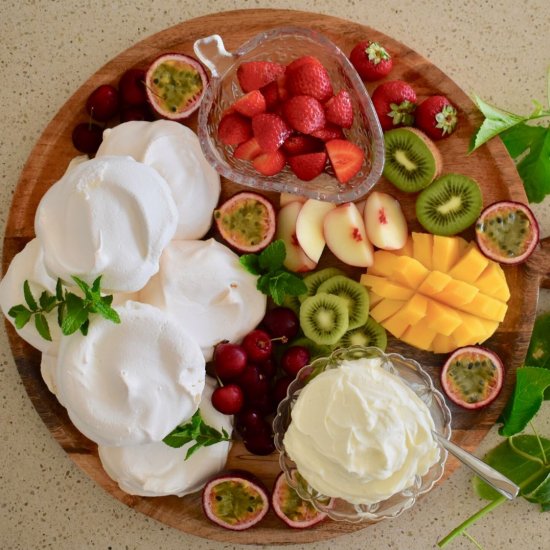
507	232
472	377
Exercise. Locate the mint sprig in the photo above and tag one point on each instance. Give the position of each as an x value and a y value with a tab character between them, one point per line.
274	279
195	430
73	311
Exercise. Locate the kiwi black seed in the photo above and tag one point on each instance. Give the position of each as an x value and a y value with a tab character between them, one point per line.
370	334
449	205
354	294
314	280
412	159
324	318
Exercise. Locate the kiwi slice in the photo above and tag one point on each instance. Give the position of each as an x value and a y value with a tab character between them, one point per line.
449	205
412	159
324	318
314	280
354	294
370	334
292	302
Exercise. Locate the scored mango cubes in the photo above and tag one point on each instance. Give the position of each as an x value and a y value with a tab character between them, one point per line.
437	293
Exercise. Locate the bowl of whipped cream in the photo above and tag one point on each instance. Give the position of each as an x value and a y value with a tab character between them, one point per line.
357	427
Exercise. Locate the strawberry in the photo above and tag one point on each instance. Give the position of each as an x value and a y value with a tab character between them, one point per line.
394	102
346	158
298	144
270	130
248	150
234	129
251	104
274	92
310	79
304	60
330	131
371	60
304	113
436	116
338	109
253	75
269	164
308	166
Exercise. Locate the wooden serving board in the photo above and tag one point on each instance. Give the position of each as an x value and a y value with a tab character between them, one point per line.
490	166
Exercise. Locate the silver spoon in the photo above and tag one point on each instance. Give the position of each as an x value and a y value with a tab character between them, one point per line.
494	478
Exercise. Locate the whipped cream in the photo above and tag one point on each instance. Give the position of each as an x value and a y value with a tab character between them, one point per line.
155	469
110	216
174	151
133	382
360	433
28	265
205	287
48	368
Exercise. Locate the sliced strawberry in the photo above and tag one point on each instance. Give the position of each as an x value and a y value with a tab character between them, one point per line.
269	164
270	130
310	79
234	129
281	87
338	109
248	150
271	95
304	113
346	158
251	104
308	166
299	144
330	131
304	60
436	116
253	75
394	102
371	60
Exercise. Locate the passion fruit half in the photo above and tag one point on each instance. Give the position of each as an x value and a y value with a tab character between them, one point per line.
291	508
472	377
236	500
507	232
175	84
246	221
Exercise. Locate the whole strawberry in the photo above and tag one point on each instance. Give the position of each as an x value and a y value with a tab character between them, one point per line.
394	102
253	75
371	60
436	116
339	110
309	78
304	113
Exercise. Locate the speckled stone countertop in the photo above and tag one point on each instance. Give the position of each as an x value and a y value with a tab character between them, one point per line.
498	48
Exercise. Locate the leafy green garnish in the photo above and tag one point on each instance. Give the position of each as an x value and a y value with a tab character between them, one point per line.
195	430
538	354
274	279
72	311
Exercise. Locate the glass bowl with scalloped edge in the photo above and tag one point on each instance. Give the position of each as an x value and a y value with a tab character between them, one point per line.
412	374
283	45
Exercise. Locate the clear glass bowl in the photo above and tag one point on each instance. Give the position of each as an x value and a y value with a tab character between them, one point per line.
283	45
419	381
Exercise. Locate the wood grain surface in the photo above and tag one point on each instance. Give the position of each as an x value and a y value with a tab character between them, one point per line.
490	166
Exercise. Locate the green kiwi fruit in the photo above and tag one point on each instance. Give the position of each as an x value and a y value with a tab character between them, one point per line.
292	302
412	159
449	205
324	318
355	295
314	280
370	334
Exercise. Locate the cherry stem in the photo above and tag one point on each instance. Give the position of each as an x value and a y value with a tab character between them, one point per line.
282	339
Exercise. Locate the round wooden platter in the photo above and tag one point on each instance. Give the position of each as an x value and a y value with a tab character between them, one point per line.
490	166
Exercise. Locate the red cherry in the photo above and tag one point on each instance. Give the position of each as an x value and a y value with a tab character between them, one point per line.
262	401
87	137
281	321
268	367
259	444
132	87
230	360
257	345
253	382
228	399
280	388
294	358
251	421
136	112
102	104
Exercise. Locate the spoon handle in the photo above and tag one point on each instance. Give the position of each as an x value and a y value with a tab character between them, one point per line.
494	478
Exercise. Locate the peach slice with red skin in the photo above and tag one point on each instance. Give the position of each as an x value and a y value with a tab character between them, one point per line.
385	222
309	227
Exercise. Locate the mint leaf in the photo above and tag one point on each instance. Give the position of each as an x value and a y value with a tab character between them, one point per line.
96	286
29	298
531	383
105	310
20	314
263	284
47	301
84	286
534	168
75	314
41	324
282	283
59	290
84	327
538	354
251	263
272	257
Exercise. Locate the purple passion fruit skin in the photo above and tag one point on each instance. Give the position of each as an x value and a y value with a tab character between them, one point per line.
175	85
291	508
235	500
246	221
507	232
472	377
